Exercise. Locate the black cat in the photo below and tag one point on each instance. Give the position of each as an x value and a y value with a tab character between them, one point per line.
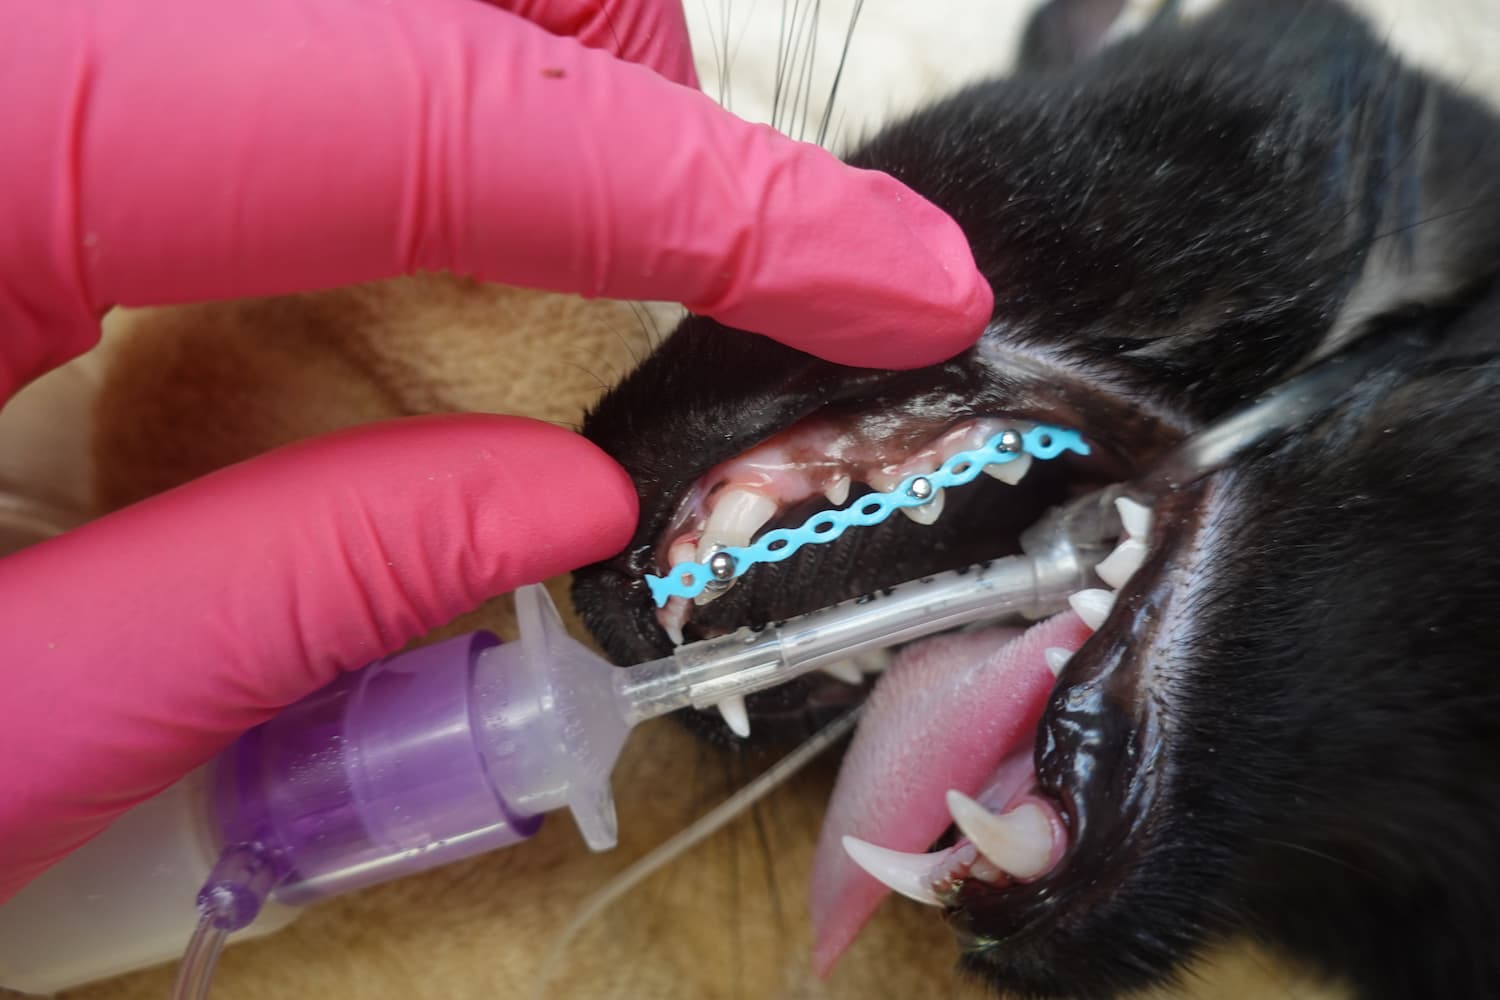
1289	724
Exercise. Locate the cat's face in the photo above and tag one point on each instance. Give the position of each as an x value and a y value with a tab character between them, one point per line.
1286	723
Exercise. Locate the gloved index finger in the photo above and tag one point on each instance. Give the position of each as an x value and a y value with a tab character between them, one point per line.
186	150
650	32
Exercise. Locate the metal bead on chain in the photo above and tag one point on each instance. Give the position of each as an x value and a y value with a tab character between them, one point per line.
722	566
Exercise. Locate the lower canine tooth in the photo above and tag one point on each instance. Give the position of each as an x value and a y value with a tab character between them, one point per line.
1093	606
844	670
1122	563
1057	658
907	874
874	661
1019	842
1011	472
927	513
736	717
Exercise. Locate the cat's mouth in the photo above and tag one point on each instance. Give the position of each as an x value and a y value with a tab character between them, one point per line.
1002	774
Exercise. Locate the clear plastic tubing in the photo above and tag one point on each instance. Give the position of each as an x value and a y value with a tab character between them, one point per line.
433	755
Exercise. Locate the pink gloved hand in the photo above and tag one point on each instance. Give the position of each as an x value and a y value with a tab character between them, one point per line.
171	150
136	647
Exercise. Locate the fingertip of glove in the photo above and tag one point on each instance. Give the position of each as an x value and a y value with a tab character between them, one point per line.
868	274
936	303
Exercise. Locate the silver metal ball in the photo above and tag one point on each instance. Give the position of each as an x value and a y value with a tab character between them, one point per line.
920	488
1010	442
722	566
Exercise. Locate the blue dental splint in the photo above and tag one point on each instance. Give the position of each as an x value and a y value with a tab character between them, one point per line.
689	579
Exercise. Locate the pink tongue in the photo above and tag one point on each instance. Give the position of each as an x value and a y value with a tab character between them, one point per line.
945	715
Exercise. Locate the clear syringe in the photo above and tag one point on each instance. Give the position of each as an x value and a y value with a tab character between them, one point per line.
438	754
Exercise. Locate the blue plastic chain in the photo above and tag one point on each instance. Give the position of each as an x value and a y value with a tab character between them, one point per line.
689	579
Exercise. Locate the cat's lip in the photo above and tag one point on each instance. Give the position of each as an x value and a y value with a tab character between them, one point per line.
1101	755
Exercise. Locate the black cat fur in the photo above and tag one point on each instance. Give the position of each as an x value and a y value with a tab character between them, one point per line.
1289	726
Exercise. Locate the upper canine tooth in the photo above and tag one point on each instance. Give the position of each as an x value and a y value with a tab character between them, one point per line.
927	513
1011	472
908	874
1093	606
1136	518
873	661
737	516
1019	842
1118	567
837	491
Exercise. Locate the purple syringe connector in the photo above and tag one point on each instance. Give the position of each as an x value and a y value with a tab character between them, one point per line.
426	757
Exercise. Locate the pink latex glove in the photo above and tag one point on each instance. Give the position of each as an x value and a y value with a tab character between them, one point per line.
171	150
165	150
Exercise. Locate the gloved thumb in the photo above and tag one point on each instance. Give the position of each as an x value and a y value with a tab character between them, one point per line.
138	646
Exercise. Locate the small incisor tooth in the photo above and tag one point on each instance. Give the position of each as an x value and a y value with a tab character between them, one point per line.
1120	565
927	513
736	716
1093	606
1136	518
1018	843
1011	472
844	670
837	491
672	618
908	874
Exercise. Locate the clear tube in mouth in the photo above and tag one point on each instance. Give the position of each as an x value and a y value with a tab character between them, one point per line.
703	674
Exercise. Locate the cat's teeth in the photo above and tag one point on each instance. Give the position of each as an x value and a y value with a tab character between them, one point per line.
844	670
837	491
1019	842
1136	518
1093	606
929	512
881	481
672	618
874	661
1011	472
1057	658
908	874
736	716
737	516
1121	564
